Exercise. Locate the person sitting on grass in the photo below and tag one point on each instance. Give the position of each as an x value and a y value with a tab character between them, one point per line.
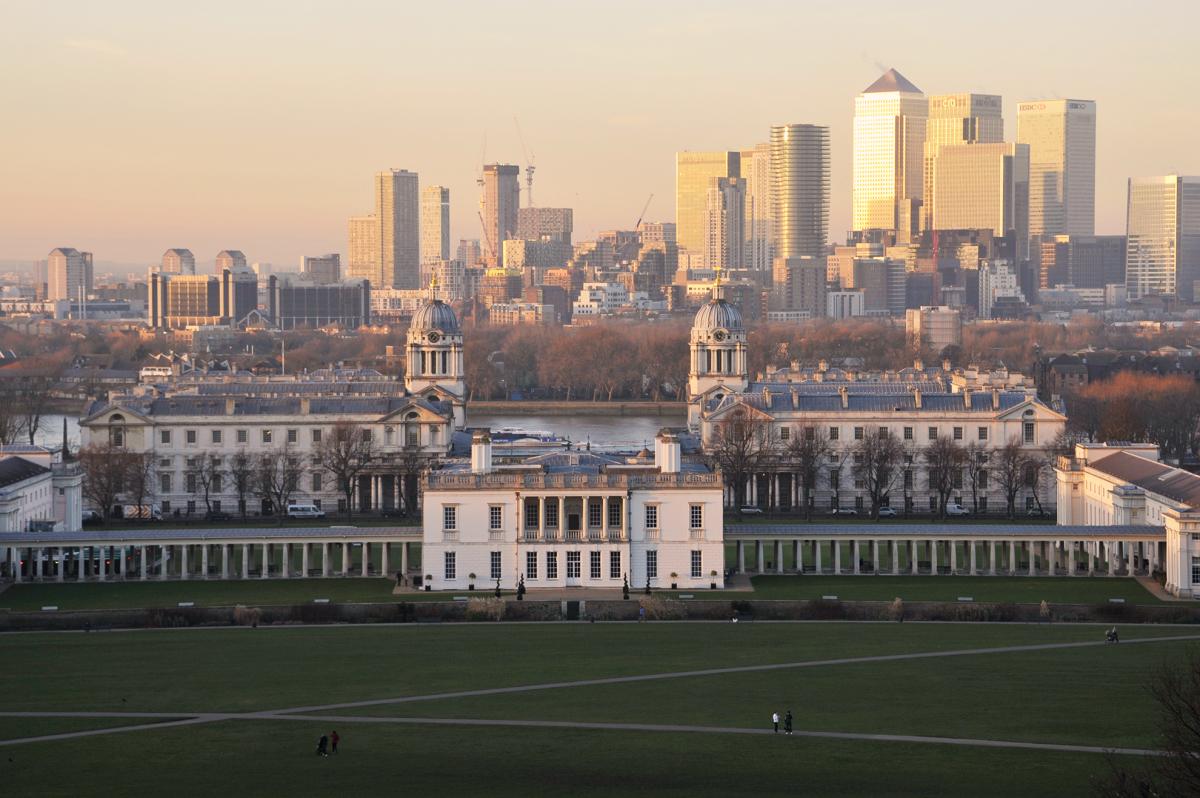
1111	636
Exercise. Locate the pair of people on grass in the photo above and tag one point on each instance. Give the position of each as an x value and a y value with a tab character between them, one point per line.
787	722
323	744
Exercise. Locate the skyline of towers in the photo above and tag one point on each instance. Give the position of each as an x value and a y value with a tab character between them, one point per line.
1061	135
800	189
232	259
178	261
1162	237
384	247
499	203
435	224
889	144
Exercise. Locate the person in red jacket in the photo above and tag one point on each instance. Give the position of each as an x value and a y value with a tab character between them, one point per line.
333	739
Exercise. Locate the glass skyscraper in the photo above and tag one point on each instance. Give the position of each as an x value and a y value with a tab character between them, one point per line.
957	119
800	189
693	177
889	143
1061	135
1162	243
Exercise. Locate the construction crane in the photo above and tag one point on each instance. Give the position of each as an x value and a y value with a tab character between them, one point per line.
487	238
637	226
529	167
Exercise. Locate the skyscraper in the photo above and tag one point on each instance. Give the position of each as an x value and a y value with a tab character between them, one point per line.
693	171
983	187
362	261
469	253
322	269
889	143
758	226
435	224
554	224
397	211
800	189
957	119
500	202
1061	135
723	217
178	261
231	259
68	274
1162	241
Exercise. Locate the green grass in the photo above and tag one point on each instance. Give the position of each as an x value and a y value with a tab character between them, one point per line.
1090	696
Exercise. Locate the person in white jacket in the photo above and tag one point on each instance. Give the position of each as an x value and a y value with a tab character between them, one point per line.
775	721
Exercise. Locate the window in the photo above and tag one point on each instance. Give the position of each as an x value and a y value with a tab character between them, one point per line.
166	507
1195	570
243	436
448	567
531	565
495	562
983	504
216	436
651	564
531	513
316	481
932	432
1027	428
164	483
495	517
268	436
833	433
164	436
908	433
958	433
594	508
594	564
190	437
164	462
190	483
614	565
983	433
450	517
908	480
191	506
696	516
551	564
835	479
215	487
1028	502
933	504
366	436
981	479
697	563
410	436
785	433
956	479
572	565
216	505
552	514
858	433
651	516
615	513
293	435
883	432
316	435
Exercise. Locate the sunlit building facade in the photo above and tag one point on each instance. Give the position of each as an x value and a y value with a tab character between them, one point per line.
1162	249
435	224
758	225
983	187
800	189
500	203
694	172
957	119
1061	135
889	142
397	210
723	219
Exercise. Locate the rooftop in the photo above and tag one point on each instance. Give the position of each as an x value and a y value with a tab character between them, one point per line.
891	81
18	469
1164	480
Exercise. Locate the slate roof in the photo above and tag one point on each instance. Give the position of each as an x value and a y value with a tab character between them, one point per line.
891	81
780	401
1173	483
193	405
18	469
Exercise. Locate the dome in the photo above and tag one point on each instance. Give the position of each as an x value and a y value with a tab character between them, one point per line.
717	314
435	315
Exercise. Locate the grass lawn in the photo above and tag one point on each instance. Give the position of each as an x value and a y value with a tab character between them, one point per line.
1090	696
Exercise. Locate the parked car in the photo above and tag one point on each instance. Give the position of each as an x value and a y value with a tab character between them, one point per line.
956	510
92	518
141	512
304	511
1037	512
844	511
887	512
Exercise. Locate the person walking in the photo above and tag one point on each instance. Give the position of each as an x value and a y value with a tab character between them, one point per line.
333	738
787	726
322	746
641	614
775	721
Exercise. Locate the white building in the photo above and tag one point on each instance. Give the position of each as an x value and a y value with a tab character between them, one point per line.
599	299
68	274
37	494
574	519
843	304
1162	255
997	281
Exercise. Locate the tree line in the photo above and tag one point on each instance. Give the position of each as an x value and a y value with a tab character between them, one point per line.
1139	408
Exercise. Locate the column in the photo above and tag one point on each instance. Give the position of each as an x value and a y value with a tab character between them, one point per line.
758	556
285	570
383	557
224	560
933	558
1131	548
1108	555
101	565
562	520
264	567
183	562
604	518
854	554
817	555
37	563
894	548
913	559
204	561
874	556
1032	557
741	556
325	559
162	566
1012	558
798	555
245	561
366	555
404	559
541	518
837	555
971	547
62	564
304	547
1052	556
345	558
124	563
778	556
1091	550
142	570
992	557
953	544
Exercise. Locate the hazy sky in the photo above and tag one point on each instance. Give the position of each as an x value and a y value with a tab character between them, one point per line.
130	127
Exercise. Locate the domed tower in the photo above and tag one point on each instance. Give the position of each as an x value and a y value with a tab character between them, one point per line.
718	348
435	352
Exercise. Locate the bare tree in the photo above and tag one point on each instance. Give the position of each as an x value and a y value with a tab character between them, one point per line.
346	452
1008	467
207	473
945	459
738	446
277	476
242	475
139	476
104	472
35	400
877	457
977	473
12	415
806	451
409	463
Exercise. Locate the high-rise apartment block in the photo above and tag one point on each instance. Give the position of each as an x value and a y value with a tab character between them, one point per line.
800	189
435	224
1061	135
500	202
397	212
983	187
1082	261
1162	237
799	284
889	144
468	252
68	274
957	119
694	172
231	259
549	224
758	226
322	269
178	261
362	260
723	218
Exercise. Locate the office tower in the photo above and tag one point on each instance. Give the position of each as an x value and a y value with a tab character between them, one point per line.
998	281
799	284
397	213
1061	135
657	233
68	274
184	300
983	187
800	188
178	261
435	224
232	259
292	303
758	226
553	224
501	200
957	119
693	171
322	269
723	217
889	144
1162	237
1082	261
239	294
468	252
362	262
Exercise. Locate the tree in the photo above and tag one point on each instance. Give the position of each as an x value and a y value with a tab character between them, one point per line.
1008	467
12	417
277	476
410	462
945	459
207	474
806	451
977	473
242	475
739	444
104	471
35	397
877	456
138	477
346	452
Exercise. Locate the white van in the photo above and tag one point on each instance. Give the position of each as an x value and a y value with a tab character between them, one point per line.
304	511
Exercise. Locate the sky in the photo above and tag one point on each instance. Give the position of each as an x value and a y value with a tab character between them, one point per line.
130	127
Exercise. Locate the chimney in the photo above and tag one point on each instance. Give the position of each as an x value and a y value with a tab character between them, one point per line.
995	398
967	399
481	452
946	365
918	364
666	452
305	406
795	399
230	406
845	394
917	397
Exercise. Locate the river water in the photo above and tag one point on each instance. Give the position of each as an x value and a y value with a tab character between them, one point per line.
603	432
